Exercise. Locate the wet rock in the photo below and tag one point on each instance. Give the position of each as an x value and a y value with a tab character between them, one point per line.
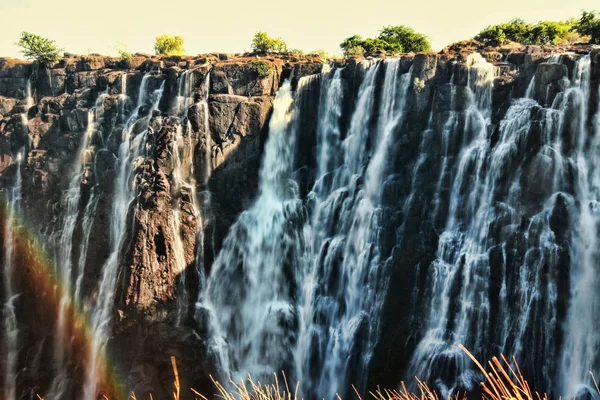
7	105
243	80
548	79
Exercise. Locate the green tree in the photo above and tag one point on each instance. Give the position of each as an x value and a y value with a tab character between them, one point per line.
38	48
589	25
401	38
392	40
517	30
351	42
549	32
495	35
263	43
169	45
373	45
354	51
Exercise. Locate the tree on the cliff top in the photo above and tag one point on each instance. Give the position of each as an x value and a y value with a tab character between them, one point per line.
169	45
589	25
391	40
517	30
263	43
38	48
410	40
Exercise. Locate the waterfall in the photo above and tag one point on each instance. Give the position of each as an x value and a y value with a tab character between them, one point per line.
583	339
344	283
250	290
132	147
405	206
14	199
481	290
11	329
66	255
323	269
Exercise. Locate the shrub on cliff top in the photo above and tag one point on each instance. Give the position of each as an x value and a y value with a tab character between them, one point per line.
589	25
405	37
391	40
38	48
263	43
125	61
169	45
517	30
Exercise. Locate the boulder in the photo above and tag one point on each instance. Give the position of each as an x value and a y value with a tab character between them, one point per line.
7	105
548	79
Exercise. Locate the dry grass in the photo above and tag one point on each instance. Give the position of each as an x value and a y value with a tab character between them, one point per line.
503	381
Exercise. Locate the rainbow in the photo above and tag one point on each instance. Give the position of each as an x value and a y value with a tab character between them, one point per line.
42	290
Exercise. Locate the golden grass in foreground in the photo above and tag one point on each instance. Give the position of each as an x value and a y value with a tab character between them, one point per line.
502	382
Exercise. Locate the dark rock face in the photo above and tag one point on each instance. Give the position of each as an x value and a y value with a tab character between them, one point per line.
547	82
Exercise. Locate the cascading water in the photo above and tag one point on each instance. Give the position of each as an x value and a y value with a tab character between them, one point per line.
255	314
14	199
184	176
447	327
482	290
132	147
344	254
416	186
11	329
499	259
66	260
583	340
323	277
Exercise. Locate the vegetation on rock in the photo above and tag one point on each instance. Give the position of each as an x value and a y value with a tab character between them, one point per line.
263	43
38	48
542	33
262	69
125	56
589	25
391	40
169	45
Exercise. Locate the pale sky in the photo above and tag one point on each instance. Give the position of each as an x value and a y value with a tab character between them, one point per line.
89	26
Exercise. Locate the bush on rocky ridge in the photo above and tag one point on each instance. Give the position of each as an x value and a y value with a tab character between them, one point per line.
589	25
125	56
38	48
263	43
392	40
517	30
262	69
169	45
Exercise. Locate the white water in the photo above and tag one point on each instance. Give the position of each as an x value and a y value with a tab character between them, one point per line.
284	295
130	149
488	188
11	328
343	255
469	200
71	203
299	284
583	338
244	311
